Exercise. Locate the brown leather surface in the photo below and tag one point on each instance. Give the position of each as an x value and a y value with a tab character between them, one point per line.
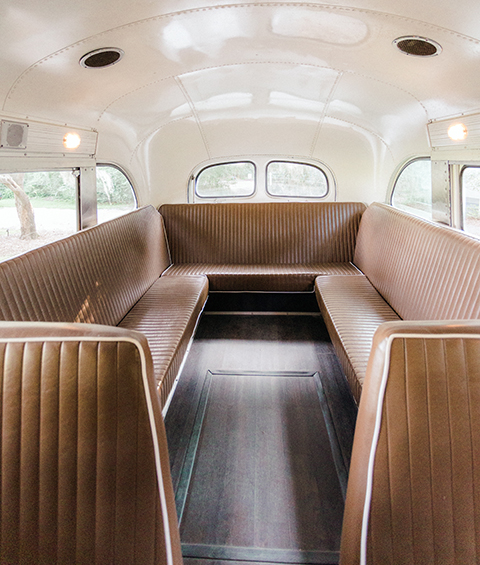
94	276
286	278
167	315
98	275
262	233
426	480
352	310
79	479
424	271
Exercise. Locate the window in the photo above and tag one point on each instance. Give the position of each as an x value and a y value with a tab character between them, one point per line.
296	179
36	208
226	180
471	200
114	193
413	189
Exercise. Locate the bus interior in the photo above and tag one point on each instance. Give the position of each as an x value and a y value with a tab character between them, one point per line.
240	282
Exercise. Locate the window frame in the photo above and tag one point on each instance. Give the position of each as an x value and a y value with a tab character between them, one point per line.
462	197
302	197
125	174
198	173
396	176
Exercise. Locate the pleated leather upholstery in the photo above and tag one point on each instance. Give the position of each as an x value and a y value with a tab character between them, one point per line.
98	275
286	278
352	310
415	270
94	276
285	240
170	328
424	506
424	271
85	475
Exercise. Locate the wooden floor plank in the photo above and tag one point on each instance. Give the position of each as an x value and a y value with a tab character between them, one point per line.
262	344
264	476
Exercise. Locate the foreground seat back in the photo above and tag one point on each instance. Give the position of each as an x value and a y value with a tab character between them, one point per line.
414	485
84	467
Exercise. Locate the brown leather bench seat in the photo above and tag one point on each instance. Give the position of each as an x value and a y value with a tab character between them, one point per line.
413	270
262	246
110	275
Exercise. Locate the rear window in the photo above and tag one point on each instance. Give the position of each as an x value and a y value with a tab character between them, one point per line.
298	180
226	180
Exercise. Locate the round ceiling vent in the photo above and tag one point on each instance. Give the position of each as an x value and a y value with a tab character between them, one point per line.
101	58
418	46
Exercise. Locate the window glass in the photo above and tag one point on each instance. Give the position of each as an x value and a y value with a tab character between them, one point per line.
296	179
226	180
114	193
35	209
413	189
471	200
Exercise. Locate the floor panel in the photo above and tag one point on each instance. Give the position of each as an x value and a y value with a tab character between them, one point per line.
265	485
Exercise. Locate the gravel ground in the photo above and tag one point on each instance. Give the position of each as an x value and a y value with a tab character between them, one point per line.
51	223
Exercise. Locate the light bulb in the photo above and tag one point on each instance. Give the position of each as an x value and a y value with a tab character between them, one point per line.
71	140
457	132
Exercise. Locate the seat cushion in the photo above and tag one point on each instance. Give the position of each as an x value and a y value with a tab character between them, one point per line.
167	315
283	278
352	310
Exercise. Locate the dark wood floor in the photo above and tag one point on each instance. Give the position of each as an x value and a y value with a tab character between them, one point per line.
260	431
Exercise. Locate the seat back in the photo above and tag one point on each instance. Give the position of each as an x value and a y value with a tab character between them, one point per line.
414	484
262	233
425	271
94	276
85	476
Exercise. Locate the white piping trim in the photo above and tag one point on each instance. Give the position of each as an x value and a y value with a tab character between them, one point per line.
378	422
148	398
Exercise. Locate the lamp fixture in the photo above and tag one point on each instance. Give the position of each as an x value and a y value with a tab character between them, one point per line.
457	132
71	140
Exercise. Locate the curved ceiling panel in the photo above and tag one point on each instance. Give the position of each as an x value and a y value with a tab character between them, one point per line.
343	39
241	74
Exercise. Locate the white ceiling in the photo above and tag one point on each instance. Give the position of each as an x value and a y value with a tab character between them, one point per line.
215	79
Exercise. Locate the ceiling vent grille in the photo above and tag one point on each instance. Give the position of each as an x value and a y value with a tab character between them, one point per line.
101	58
417	46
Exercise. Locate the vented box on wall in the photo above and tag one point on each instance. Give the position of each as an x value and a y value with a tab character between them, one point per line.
41	138
13	135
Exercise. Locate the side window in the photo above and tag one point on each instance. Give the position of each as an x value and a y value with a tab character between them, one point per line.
114	193
296	180
413	189
36	208
470	183
226	180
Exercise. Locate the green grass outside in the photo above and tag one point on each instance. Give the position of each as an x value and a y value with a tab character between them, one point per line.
59	204
39	203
